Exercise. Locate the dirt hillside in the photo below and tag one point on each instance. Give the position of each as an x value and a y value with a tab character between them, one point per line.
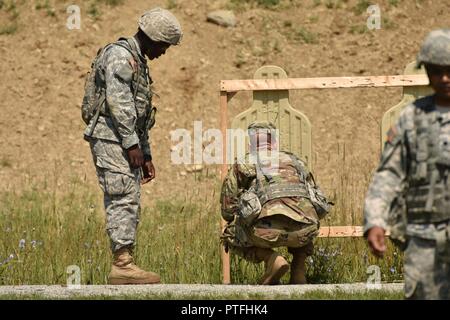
43	65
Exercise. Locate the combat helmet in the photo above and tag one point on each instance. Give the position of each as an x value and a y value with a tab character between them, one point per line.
161	25
435	49
261	124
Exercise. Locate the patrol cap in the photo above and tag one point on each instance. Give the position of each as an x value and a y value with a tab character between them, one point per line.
161	25
435	48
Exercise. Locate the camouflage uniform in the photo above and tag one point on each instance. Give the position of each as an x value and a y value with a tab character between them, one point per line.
413	169
117	129
280	219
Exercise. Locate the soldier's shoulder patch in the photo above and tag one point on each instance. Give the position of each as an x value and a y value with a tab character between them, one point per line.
133	64
392	135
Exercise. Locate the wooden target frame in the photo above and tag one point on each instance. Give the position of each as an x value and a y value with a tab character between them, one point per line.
229	88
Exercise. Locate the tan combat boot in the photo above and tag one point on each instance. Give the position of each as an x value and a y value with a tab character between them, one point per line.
124	271
298	266
276	266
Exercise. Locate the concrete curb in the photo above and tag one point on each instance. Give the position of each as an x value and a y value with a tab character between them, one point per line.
188	290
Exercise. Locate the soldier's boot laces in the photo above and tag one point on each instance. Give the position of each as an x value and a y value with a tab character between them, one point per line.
298	266
276	266
124	271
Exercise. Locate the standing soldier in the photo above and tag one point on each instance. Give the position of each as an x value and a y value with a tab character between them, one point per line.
409	193
118	110
271	200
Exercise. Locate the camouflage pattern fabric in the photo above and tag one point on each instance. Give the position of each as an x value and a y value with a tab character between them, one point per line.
124	118
121	125
427	274
121	188
387	185
161	25
279	219
435	49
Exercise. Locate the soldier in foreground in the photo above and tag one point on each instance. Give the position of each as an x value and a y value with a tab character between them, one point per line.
118	111
271	200
409	193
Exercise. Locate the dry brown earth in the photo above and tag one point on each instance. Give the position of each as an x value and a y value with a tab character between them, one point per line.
43	65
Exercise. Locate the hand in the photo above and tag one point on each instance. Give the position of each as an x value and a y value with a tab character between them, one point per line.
135	156
375	238
149	172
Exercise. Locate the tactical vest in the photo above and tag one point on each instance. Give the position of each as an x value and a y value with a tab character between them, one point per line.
141	81
428	197
279	177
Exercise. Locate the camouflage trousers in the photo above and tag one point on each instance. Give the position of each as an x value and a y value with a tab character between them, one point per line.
244	240
121	189
249	253
427	273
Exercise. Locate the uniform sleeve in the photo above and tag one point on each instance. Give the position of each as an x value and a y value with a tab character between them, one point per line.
230	193
145	145
118	77
387	181
238	179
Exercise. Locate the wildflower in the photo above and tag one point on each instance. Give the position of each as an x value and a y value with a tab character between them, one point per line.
11	256
22	244
392	270
33	243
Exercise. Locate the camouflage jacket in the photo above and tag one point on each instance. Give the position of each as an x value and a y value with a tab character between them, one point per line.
242	176
391	179
125	119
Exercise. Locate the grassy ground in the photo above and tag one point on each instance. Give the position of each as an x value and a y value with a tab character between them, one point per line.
313	295
49	226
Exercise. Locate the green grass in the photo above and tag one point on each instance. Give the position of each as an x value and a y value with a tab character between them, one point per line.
172	4
312	295
8	30
393	2
45	5
241	5
361	6
12	25
45	231
93	10
333	4
304	35
359	29
111	2
48	226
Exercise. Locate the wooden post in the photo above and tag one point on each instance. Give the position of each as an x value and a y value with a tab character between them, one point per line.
223	127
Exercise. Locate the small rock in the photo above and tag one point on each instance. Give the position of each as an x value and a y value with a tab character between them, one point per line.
224	18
